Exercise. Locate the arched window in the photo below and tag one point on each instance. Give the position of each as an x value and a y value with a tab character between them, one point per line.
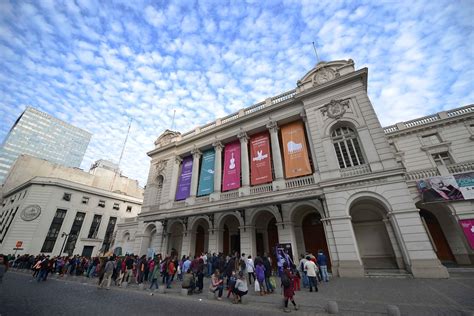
347	147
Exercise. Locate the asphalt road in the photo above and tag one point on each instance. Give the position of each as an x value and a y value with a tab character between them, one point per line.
20	295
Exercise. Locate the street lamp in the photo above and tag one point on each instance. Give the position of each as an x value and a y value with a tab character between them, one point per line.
64	242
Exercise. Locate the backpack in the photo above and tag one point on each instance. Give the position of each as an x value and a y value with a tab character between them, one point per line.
285	280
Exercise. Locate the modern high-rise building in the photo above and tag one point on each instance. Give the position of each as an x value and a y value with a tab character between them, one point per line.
40	135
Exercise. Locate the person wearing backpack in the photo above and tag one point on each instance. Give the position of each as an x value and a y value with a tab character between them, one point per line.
312	271
287	284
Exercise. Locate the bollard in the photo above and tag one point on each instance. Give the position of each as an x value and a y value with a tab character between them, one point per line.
184	292
332	307
393	310
161	290
124	285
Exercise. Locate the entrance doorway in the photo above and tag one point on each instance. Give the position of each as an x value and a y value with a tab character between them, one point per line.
441	246
230	241
87	251
314	237
200	236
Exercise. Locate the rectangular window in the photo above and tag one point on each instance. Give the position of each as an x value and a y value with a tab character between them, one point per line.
129	209
116	206
85	200
94	227
442	158
67	196
74	233
53	231
101	203
431	139
109	233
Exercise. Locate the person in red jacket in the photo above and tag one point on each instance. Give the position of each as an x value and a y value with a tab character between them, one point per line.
288	291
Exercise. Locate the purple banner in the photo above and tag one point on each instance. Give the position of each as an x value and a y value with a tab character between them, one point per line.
184	182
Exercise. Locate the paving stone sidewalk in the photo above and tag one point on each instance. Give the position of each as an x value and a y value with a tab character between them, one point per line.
366	296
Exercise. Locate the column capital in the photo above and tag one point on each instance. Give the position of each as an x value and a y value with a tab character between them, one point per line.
178	160
196	152
272	126
243	137
217	145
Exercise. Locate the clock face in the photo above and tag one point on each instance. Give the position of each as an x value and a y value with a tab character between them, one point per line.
30	212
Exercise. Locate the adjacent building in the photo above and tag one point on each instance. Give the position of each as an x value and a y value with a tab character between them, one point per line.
313	169
38	134
52	209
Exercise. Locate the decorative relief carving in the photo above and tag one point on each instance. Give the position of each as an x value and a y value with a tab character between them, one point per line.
243	136
196	152
217	145
30	212
272	126
335	109
178	160
323	75
160	166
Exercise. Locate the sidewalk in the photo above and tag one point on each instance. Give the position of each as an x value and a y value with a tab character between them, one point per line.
365	296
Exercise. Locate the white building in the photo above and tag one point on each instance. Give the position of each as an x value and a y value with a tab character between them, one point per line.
42	200
311	169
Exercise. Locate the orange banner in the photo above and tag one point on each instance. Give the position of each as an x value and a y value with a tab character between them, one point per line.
261	166
295	150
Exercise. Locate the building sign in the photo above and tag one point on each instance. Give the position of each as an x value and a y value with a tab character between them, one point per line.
260	164
206	179
295	150
468	229
447	188
30	212
231	178
184	181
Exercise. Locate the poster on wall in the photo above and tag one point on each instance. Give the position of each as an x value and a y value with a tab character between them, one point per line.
260	164
446	188
184	181
206	179
466	184
295	151
231	176
284	253
468	229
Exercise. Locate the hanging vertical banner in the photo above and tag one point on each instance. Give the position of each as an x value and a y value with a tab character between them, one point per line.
206	179
295	150
184	182
468	229
260	165
231	179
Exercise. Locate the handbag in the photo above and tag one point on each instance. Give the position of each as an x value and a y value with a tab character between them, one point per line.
257	286
273	282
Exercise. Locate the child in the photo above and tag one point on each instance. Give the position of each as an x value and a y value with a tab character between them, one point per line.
231	283
296	281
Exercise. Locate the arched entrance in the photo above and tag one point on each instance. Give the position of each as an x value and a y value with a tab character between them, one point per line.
200	240
175	241
371	229
438	239
266	235
314	236
229	228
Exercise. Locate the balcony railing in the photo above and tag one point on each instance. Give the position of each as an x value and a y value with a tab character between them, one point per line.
230	195
422	174
264	188
461	167
355	171
299	182
202	199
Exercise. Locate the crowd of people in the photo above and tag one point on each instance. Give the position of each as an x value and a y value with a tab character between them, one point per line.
233	273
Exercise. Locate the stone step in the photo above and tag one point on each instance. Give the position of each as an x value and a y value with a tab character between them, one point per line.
394	274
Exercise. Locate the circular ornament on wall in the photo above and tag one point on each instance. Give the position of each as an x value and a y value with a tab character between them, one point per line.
324	75
30	212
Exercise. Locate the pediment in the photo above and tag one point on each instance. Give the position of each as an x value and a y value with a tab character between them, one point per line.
326	71
166	137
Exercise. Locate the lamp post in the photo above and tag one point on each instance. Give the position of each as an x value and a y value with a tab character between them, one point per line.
64	235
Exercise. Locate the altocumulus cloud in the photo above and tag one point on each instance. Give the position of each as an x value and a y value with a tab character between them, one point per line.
96	65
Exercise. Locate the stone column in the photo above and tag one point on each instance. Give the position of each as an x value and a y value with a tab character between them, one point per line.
195	175
279	181
248	243
217	171
244	163
174	179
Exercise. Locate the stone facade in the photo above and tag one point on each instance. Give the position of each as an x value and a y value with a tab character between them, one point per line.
42	200
358	204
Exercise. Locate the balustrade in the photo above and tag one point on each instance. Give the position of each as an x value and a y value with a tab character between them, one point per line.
299	182
355	171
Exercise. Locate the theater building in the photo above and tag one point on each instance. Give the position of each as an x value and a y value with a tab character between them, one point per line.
311	169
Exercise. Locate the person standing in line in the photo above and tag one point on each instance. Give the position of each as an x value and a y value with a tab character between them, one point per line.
260	272
311	270
250	269
288	290
323	265
107	271
3	267
303	274
155	274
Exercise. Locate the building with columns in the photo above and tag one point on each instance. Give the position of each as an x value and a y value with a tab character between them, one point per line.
310	169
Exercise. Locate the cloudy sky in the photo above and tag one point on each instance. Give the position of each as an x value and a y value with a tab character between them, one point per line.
97	65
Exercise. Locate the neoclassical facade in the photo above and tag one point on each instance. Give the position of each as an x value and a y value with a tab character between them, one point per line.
311	168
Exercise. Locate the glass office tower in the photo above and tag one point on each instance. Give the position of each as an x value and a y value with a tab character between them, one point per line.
38	134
